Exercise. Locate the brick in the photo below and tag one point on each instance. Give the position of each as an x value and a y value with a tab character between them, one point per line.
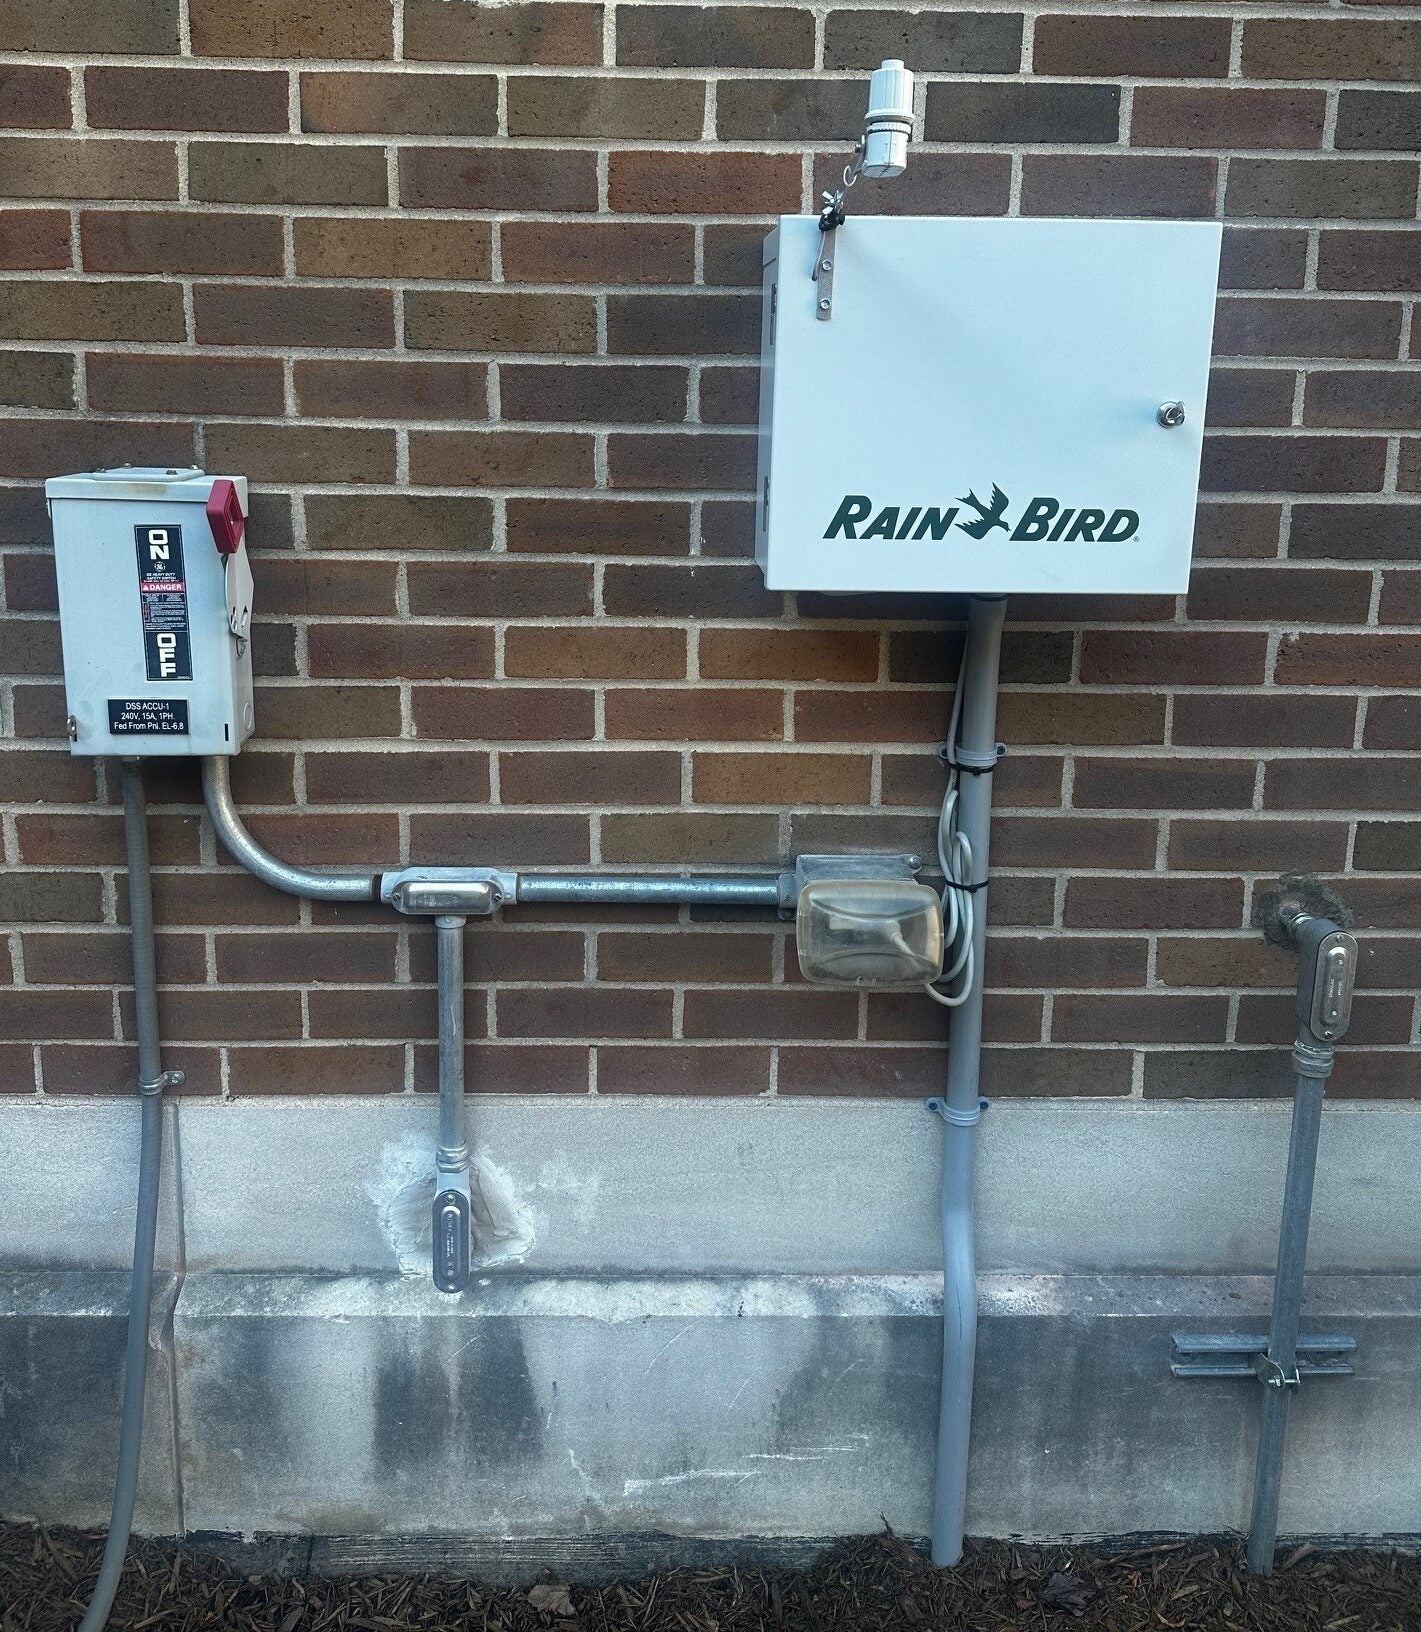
875	716
1143	1017
1027	112
1300	464
597	252
727	528
1274	1019
1368	260
1251	397
1379	120
1279	594
392	390
31	646
37	448
39	711
590	1012
44	776
716	462
399	1013
1256	844
303	956
681	183
89	26
689	325
1252	1074
559	33
1310	659
603	778
34	98
779	779
715	37
696	714
902	1017
305	586
1171	657
286	173
1028	656
1355	532
511	1068
676	1070
234	315
1117	185
400	103
598	526
931	41
405	778
499	589
1176	116
1263	258
1392	722
1153	903
317	712
50	898
397	521
733	255
691	838
303	453
317	1069
34	240
400	248
777	1013
39	379
184	99
112	1068
460	320
94	957
1363	189
915	1072
1388	847
51	167
184	385
685	955
359	29
817	832
1237	531
1021	780
28	1015
789	110
503	713
1343	782
399	652
523	954
730	396
1163	784
602	653
595	393
699	592
1401	598
665	109
1138	47
1295	48
1217	960
497	178
30	584
180	241
1408	473
788	654
95	837
517	839
337	841
1364	399
1306	328
501	459
1073	841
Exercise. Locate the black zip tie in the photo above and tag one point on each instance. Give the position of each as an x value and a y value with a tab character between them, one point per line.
945	755
968	889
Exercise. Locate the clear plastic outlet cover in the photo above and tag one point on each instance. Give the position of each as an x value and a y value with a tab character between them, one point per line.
869	932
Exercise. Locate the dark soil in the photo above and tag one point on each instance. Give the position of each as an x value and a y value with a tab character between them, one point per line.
861	1585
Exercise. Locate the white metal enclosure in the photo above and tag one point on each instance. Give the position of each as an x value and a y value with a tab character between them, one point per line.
1002	378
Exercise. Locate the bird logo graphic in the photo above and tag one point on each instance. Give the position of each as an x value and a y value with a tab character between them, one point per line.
988	515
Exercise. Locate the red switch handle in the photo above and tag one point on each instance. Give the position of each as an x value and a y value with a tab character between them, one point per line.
224	515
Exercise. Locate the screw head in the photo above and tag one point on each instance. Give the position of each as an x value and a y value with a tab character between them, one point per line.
823	305
826	266
1170	414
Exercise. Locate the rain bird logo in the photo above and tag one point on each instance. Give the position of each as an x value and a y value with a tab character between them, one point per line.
988	516
1043	521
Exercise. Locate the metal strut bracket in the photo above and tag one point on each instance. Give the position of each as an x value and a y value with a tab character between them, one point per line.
1245	1354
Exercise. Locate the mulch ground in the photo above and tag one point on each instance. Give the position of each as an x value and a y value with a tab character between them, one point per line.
861	1585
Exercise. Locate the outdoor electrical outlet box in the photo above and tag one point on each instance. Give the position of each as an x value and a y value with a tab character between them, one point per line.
155	606
983	406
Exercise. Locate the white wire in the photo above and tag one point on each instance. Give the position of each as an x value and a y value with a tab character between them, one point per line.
954	854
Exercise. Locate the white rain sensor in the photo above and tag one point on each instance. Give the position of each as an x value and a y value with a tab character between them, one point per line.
888	124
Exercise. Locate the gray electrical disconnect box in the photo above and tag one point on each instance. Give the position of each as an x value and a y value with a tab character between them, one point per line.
155	608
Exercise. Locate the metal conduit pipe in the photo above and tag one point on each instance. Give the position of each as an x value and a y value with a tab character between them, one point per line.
152	1080
961	1106
452	1197
281	875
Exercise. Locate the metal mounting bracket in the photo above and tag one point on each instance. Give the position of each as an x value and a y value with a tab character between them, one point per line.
1245	1354
473	892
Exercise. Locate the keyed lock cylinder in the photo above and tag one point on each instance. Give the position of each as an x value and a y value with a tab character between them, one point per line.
155	609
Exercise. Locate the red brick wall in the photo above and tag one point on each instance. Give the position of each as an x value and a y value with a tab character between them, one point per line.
469	293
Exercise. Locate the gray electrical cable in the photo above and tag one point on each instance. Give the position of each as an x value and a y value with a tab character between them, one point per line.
151	1082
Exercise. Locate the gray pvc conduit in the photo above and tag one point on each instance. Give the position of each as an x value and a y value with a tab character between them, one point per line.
151	1082
976	747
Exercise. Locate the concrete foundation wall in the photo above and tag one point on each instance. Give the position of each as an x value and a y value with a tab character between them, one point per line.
704	1319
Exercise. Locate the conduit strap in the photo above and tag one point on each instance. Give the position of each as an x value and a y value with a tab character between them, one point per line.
959	1119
